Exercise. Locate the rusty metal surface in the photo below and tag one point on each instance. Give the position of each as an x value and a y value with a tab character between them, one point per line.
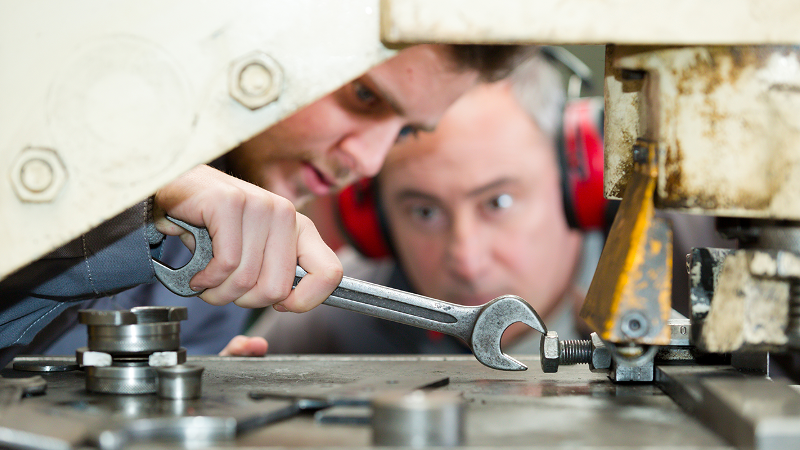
705	266
726	122
622	124
632	284
746	311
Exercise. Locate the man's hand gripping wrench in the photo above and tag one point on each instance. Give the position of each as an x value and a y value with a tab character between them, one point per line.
480	327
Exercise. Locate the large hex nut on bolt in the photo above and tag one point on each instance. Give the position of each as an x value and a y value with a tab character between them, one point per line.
37	175
601	356
255	80
550	352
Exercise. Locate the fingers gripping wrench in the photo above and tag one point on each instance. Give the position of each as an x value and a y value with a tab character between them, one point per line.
480	327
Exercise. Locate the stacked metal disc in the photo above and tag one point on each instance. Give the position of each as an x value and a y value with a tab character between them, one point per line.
125	347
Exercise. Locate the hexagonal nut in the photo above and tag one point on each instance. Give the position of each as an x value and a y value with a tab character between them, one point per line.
601	356
255	80
37	174
549	352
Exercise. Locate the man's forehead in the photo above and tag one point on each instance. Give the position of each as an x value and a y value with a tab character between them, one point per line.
397	100
421	82
443	182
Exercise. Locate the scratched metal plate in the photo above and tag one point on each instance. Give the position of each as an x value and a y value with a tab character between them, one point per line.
573	407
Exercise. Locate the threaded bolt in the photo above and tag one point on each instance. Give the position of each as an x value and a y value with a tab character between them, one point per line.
574	351
555	352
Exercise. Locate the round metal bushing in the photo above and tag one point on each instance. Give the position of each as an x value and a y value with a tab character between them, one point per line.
180	382
153	314
121	380
418	419
255	80
134	339
37	174
99	317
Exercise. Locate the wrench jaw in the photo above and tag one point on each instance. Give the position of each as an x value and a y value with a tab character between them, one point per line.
492	321
177	280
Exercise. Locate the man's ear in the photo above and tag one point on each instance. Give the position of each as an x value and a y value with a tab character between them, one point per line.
580	156
361	219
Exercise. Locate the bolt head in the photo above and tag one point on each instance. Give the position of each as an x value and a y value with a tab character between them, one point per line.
37	174
634	324
255	80
549	352
601	356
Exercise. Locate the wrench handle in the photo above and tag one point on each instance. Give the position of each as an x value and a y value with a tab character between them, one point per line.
400	306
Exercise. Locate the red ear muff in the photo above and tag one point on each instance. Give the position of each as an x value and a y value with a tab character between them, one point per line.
581	156
360	220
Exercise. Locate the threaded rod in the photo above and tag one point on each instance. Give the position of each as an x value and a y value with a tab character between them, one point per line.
575	352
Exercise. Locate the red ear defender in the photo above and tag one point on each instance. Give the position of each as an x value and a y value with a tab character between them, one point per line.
582	164
360	221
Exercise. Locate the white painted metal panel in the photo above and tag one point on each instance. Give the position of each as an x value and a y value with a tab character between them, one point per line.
130	94
639	22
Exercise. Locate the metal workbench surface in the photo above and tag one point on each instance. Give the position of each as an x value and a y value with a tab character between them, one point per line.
573	408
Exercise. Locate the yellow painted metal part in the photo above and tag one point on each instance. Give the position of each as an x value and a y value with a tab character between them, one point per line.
633	278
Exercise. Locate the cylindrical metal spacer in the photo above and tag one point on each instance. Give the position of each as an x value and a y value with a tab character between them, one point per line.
121	380
418	419
180	382
137	338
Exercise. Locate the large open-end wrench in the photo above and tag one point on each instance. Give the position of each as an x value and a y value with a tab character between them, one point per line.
480	327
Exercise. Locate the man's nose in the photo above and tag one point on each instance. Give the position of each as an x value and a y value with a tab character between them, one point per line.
369	144
469	253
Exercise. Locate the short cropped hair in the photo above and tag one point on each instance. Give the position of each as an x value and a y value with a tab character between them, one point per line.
492	62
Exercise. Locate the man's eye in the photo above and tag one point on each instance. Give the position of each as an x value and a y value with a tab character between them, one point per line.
426	213
502	201
363	93
406	131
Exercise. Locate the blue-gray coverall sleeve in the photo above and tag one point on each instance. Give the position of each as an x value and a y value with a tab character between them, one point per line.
110	258
207	331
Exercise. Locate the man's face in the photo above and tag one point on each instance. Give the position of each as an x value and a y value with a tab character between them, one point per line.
345	135
475	209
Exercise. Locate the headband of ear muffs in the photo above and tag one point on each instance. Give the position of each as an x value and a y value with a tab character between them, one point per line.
580	149
580	156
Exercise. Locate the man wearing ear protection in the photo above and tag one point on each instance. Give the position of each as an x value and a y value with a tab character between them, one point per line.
467	213
327	145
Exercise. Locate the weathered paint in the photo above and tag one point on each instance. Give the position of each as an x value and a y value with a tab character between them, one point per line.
726	123
651	22
634	271
746	311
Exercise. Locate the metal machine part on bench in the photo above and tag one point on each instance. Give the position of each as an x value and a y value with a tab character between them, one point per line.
128	349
